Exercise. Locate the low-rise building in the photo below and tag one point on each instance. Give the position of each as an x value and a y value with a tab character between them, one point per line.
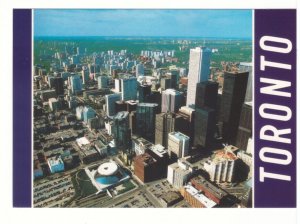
196	198
179	173
145	167
55	164
170	198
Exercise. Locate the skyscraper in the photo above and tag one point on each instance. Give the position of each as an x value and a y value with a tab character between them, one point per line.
145	120
205	125
164	124
171	101
185	124
139	70
85	74
144	92
120	105
129	88
205	115
173	76
247	67
198	71
178	145
76	84
58	84
110	103
121	130
234	90
207	94
245	126
88	113
102	82
165	83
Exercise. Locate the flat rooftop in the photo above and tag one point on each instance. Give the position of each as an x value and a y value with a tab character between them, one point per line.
198	195
159	150
208	186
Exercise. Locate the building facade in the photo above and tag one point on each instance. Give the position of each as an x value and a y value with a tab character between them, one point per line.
110	101
233	96
245	126
199	71
171	101
145	120
178	145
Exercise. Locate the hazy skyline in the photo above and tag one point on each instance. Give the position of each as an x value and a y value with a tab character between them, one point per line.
123	22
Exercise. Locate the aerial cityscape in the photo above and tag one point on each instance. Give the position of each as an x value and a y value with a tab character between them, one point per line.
132	120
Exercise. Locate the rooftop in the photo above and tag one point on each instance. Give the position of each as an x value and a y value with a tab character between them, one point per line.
200	49
82	141
208	203
171	196
179	135
147	104
121	115
224	154
172	92
159	150
146	159
210	187
53	161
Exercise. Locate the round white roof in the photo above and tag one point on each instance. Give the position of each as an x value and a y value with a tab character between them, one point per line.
107	169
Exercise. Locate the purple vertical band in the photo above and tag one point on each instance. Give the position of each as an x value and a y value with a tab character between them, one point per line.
275	191
22	108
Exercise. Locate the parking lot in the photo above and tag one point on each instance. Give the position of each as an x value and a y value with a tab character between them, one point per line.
137	200
53	193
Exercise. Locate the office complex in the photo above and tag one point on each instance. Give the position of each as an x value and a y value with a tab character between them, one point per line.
205	126
222	166
58	85
139	70
245	126
185	124
110	101
207	94
164	124
233	96
88	113
171	101
199	71
247	67
76	84
102	82
145	120
121	131
145	167
144	91
179	172
178	145
128	88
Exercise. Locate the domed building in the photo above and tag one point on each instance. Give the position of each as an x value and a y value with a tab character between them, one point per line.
106	175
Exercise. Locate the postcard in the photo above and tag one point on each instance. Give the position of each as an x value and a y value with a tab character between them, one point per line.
155	108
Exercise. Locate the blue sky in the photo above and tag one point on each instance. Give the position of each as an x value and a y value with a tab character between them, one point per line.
180	23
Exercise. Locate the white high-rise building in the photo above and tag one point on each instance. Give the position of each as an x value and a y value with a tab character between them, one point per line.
110	103
171	101
198	71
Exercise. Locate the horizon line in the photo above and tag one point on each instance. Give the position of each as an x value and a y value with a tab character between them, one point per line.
128	36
